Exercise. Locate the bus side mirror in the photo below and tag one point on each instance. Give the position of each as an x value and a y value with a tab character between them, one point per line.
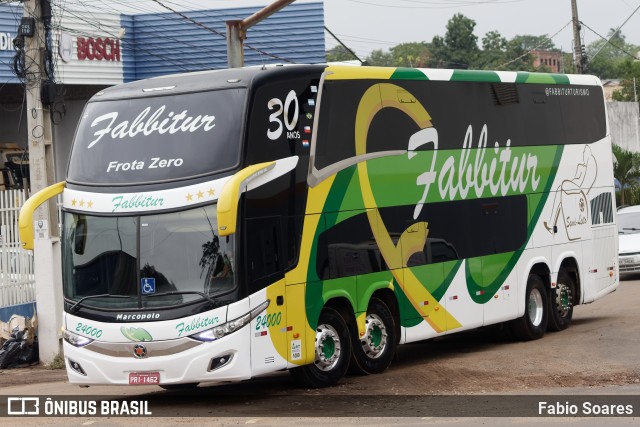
80	236
25	219
228	201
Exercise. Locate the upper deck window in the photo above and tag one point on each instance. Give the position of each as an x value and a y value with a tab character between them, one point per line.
160	138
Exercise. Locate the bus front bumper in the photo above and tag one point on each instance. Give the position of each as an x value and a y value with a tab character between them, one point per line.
179	361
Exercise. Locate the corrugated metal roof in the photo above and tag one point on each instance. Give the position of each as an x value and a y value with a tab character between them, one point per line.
166	43
9	18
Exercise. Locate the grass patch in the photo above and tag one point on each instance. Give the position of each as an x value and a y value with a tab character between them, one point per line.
57	363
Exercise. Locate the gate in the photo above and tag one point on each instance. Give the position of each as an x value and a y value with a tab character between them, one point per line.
17	280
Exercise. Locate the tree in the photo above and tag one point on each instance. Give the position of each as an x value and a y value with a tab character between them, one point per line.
414	55
380	58
459	46
606	59
626	169
494	51
530	42
629	70
339	53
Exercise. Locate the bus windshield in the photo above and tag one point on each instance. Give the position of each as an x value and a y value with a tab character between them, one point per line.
159	138
177	253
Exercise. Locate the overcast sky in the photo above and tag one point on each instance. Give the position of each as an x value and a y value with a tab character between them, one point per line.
365	25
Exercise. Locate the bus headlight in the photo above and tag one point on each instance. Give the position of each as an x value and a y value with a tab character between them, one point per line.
230	327
75	339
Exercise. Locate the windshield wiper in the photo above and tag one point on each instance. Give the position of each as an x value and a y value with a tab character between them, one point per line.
77	305
631	228
202	294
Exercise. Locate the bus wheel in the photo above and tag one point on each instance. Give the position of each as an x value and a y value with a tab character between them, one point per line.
533	324
332	352
561	302
373	352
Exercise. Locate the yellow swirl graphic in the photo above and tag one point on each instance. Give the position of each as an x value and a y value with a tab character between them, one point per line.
377	97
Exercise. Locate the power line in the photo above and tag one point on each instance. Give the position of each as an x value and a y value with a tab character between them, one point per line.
344	45
219	33
603	38
608	41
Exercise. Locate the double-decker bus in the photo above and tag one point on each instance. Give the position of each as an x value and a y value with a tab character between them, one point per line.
226	224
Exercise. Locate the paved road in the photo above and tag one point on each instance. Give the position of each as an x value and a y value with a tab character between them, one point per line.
597	355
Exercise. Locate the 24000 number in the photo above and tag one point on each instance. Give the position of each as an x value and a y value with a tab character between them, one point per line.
268	320
89	330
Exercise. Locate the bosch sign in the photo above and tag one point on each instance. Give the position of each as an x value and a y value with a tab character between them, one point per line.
99	49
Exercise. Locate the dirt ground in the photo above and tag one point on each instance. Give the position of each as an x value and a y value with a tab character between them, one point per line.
600	348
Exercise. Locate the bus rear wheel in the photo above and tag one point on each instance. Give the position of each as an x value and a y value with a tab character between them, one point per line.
373	352
533	324
332	352
561	302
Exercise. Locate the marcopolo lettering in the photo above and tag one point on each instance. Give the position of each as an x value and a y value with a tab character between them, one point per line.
138	316
98	49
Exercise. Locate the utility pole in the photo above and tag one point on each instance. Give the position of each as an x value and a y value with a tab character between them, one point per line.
577	45
47	260
237	31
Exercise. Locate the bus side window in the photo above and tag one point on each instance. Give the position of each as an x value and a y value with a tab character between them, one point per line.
264	252
348	249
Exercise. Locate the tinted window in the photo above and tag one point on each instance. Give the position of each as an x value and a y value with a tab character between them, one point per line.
281	120
158	138
348	249
456	230
264	246
529	114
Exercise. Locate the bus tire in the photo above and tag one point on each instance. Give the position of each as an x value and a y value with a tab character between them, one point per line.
533	324
332	352
373	353
561	302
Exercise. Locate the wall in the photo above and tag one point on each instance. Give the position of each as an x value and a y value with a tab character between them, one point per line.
624	125
9	19
165	43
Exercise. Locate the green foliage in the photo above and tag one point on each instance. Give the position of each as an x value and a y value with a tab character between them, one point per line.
629	69
626	169
529	42
414	55
380	58
339	53
459	46
606	60
57	363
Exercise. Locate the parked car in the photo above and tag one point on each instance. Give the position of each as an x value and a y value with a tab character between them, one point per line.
629	239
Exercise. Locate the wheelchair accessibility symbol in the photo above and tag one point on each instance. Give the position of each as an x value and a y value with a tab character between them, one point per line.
148	285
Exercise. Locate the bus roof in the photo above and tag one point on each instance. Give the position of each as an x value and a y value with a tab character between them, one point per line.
341	72
243	77
200	81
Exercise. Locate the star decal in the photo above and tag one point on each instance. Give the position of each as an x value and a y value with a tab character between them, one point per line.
74	202
189	197
200	194
89	204
211	191
81	203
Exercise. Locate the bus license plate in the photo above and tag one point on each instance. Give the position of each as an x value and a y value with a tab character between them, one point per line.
144	378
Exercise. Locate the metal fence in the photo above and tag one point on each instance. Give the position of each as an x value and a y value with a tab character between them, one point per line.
17	280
